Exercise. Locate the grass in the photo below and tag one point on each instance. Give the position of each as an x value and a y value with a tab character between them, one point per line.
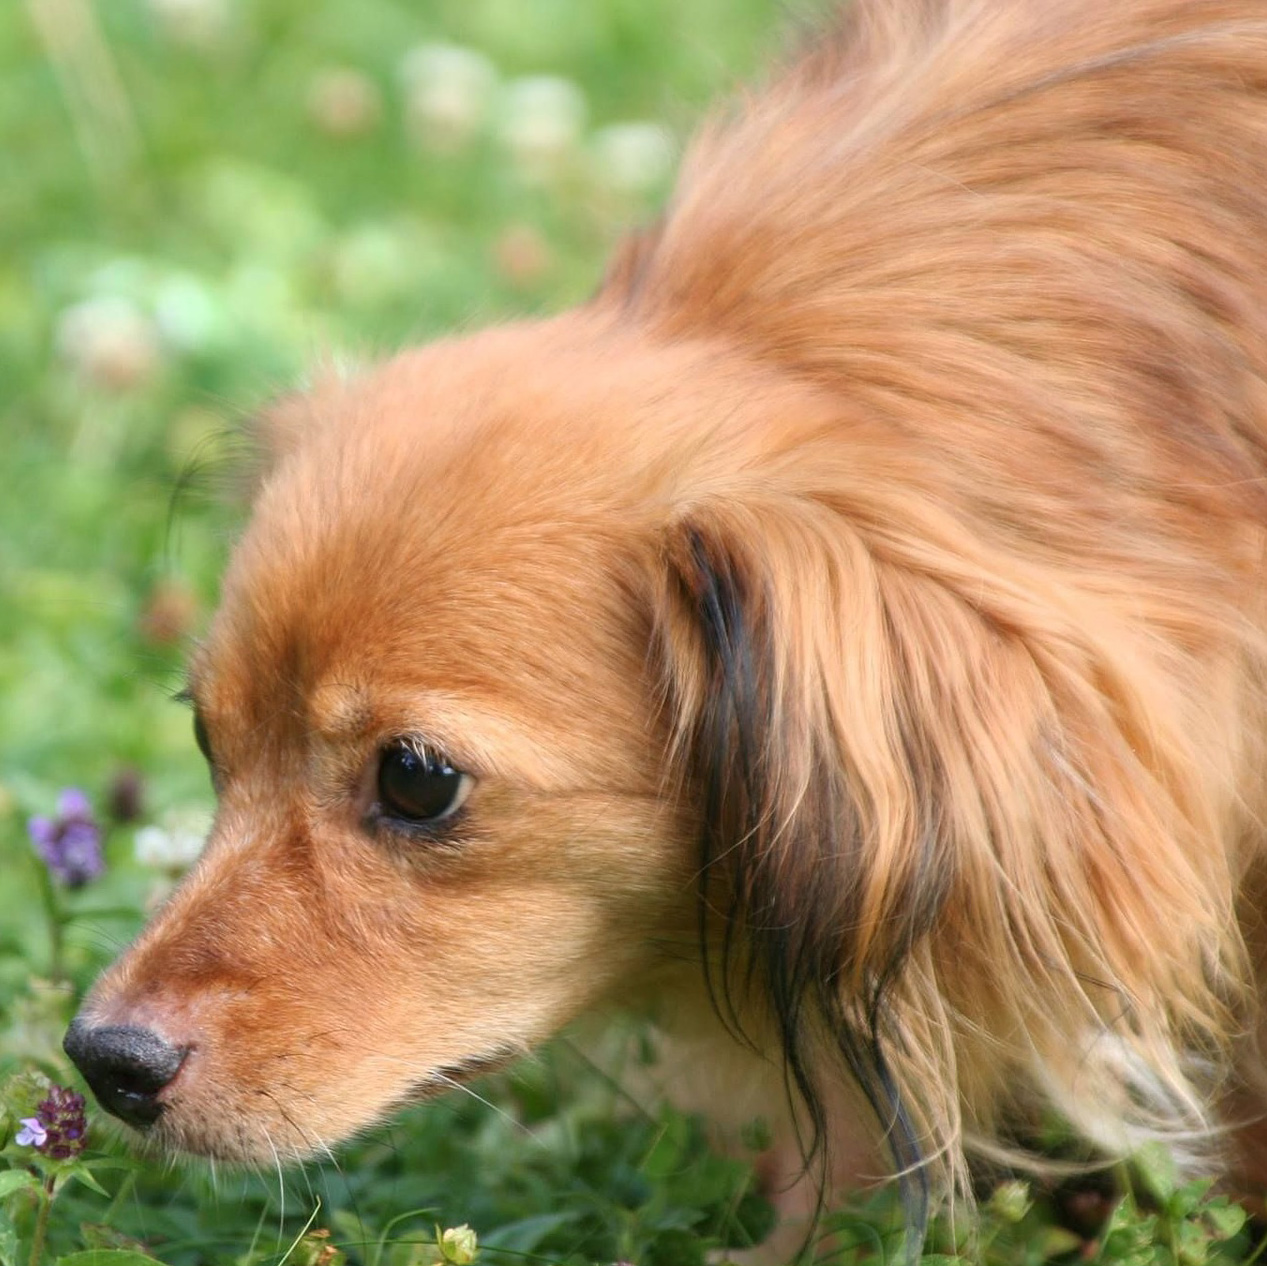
201	197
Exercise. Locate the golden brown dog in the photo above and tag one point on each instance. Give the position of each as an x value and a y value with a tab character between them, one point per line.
847	630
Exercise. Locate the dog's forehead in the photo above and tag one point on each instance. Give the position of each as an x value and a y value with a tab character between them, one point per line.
488	736
331	633
427	538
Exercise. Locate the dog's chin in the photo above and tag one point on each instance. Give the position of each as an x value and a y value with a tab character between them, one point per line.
456	1076
273	1130
182	1137
237	1137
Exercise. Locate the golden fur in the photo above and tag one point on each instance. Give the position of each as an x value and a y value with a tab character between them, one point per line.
853	615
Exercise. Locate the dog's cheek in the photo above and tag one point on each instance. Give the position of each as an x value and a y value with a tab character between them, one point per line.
493	957
519	938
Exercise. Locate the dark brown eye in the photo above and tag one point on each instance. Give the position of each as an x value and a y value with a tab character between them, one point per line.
200	737
415	785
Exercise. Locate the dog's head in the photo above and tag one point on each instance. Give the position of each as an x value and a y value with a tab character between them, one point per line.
453	812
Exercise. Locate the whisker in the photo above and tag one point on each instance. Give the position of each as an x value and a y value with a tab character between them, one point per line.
281	1185
454	1084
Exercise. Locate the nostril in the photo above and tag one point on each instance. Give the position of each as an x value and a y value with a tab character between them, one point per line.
125	1065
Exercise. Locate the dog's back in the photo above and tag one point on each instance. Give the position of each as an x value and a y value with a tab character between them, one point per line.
970	216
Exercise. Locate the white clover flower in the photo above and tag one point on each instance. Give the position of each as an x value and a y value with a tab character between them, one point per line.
448	93
174	843
632	157
458	1245
187	313
152	847
541	121
344	102
110	341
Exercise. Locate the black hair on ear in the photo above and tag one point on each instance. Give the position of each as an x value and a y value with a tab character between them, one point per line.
779	838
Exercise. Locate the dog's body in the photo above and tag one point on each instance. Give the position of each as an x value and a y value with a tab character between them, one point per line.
892	522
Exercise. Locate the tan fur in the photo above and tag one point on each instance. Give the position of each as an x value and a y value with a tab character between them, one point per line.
949	361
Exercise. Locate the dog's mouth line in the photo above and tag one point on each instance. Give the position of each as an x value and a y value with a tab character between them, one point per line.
454	1076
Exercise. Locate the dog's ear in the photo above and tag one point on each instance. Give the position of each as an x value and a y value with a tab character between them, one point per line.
955	820
822	864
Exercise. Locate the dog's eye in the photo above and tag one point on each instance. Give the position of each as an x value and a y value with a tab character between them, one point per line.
415	785
200	737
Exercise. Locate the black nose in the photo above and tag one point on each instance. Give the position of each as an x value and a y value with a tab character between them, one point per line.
125	1065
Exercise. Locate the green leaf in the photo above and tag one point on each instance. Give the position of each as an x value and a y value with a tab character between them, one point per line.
107	1257
754	1218
524	1235
98	1235
12	1180
1156	1169
1192	1244
1226	1219
8	1240
1057	1241
85	1176
1188	1198
124	1164
674	1248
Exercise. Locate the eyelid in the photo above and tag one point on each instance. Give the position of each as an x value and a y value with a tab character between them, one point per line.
425	750
427	745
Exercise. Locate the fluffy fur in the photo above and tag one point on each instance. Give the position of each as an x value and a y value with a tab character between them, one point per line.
853	615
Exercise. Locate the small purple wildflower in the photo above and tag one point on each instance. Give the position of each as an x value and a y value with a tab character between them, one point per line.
70	843
32	1133
59	1127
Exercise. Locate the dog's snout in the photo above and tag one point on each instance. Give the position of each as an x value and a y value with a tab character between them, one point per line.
125	1065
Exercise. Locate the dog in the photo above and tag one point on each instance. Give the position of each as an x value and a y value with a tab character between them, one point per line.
844	636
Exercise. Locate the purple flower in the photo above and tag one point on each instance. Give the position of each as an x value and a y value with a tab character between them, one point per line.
69	843
59	1127
32	1133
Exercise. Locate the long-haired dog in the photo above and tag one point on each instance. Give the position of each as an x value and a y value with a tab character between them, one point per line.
846	633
